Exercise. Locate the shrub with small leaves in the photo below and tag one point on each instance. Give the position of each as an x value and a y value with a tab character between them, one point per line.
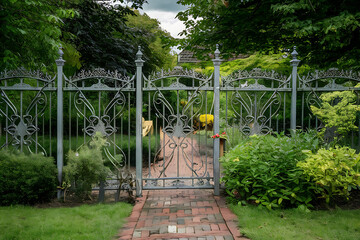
338	113
336	171
26	179
262	170
86	167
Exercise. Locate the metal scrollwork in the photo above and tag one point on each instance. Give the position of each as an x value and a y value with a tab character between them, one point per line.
254	112
178	126
24	73
22	127
178	71
255	73
99	73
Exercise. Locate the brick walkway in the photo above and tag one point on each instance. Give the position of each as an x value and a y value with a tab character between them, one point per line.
182	215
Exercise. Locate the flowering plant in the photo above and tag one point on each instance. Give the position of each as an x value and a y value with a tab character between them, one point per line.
223	136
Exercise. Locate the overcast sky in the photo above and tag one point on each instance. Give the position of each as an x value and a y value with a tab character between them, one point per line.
165	11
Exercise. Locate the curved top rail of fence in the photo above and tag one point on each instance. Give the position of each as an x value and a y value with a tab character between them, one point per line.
177	72
331	73
256	73
24	73
99	73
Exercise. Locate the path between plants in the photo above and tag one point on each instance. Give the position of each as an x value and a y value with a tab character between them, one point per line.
182	214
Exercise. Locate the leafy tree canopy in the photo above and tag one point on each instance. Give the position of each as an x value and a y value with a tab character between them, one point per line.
30	32
108	36
158	40
33	30
327	32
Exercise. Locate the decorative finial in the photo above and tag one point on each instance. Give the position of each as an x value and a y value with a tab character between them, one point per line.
139	53
61	53
294	53
217	52
294	62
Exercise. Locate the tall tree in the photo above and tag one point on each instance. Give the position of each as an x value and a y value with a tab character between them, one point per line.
104	37
327	32
158	40
30	32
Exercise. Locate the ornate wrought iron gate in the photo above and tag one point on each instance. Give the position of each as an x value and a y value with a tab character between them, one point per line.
179	152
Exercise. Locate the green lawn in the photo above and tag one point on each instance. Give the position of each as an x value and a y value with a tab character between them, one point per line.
101	221
261	224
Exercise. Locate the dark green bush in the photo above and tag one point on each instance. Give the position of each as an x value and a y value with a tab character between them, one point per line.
26	179
263	170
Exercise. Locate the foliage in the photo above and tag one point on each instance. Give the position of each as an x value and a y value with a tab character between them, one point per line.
26	179
31	32
108	36
327	32
86	167
335	171
90	222
338	111
158	40
295	224
262	169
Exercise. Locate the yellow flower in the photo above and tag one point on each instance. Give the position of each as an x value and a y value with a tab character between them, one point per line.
236	160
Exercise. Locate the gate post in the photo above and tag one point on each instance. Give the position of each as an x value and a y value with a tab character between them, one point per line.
60	129
139	64
294	63
216	62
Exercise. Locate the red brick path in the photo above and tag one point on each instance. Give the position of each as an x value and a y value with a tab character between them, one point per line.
182	215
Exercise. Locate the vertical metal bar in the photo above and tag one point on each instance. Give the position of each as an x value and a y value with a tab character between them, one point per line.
114	113
43	130
60	63
77	130
50	127
206	130
149	136
302	110
129	133
192	137
21	116
163	133
178	138
216	152
6	122
284	113
84	120
36	123
139	63
70	121
99	107
294	63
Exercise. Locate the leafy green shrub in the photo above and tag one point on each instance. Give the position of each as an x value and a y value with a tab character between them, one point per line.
26	179
86	167
338	113
335	171
262	169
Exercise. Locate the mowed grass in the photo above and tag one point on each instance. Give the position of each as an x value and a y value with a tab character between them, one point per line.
261	224
101	221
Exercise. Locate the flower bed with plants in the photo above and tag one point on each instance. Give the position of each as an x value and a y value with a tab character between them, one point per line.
302	170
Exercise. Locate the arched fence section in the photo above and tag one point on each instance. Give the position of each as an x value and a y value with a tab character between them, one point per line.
161	126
